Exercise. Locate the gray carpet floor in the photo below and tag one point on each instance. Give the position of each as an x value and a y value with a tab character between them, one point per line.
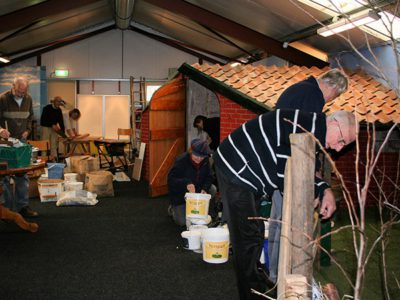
125	247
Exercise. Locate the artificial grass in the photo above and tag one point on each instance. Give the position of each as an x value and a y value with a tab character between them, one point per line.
343	252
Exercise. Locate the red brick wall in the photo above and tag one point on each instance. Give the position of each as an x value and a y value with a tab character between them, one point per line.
145	139
388	162
232	116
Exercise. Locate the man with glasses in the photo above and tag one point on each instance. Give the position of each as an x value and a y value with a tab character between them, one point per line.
308	95
250	163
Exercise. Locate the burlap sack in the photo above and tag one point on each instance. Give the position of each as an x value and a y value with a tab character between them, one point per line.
74	162
101	183
83	164
87	165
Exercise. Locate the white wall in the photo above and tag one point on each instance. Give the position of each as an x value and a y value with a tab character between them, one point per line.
115	54
101	56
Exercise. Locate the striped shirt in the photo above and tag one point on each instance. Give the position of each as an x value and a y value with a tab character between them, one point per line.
254	155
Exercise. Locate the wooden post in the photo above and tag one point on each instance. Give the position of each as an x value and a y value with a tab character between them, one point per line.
284	265
296	287
302	203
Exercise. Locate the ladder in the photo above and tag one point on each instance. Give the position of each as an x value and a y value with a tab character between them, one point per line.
138	104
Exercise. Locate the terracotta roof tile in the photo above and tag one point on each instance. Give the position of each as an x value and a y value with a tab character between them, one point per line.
370	100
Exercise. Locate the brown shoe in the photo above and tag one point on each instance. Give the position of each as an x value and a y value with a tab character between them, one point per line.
27	212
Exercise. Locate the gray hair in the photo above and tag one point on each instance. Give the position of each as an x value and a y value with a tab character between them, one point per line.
18	80
335	79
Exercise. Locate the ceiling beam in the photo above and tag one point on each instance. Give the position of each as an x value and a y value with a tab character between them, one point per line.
185	48
55	45
36	12
238	31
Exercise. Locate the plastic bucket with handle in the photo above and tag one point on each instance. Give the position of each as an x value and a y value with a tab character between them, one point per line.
197	205
215	245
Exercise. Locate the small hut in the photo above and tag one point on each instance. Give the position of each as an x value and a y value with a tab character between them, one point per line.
238	94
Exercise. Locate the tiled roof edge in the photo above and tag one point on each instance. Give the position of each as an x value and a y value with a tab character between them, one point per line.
223	89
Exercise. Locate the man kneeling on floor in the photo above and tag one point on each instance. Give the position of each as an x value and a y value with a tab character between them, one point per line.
191	173
251	163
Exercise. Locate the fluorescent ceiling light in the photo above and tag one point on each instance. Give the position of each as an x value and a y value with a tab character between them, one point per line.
335	7
352	21
4	60
386	26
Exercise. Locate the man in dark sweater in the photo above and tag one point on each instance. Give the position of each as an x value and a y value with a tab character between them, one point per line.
250	163
52	123
312	94
191	173
308	95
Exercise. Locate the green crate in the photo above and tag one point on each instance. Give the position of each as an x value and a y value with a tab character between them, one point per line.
16	157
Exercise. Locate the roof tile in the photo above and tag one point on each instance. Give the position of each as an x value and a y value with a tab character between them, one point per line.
370	99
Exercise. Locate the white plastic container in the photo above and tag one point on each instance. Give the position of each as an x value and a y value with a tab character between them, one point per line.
191	239
73	186
70	177
215	245
50	189
197	205
199	228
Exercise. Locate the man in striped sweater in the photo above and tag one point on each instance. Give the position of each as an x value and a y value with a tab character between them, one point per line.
251	162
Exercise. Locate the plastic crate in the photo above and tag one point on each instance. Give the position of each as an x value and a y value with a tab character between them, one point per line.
16	157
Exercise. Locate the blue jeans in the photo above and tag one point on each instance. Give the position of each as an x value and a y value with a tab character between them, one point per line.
20	198
274	235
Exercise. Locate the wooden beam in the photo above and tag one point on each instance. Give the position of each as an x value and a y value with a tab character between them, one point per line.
158	184
238	31
303	158
36	12
284	264
296	287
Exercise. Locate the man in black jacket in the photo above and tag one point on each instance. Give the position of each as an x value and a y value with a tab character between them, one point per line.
312	94
250	163
52	123
191	173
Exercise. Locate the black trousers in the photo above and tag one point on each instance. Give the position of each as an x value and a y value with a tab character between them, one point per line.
246	236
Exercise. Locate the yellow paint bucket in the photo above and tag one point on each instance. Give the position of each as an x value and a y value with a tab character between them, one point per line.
197	205
215	245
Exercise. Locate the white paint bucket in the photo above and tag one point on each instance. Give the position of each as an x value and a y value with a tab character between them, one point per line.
197	205
201	229
73	186
70	177
206	221
50	189
215	245
191	239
